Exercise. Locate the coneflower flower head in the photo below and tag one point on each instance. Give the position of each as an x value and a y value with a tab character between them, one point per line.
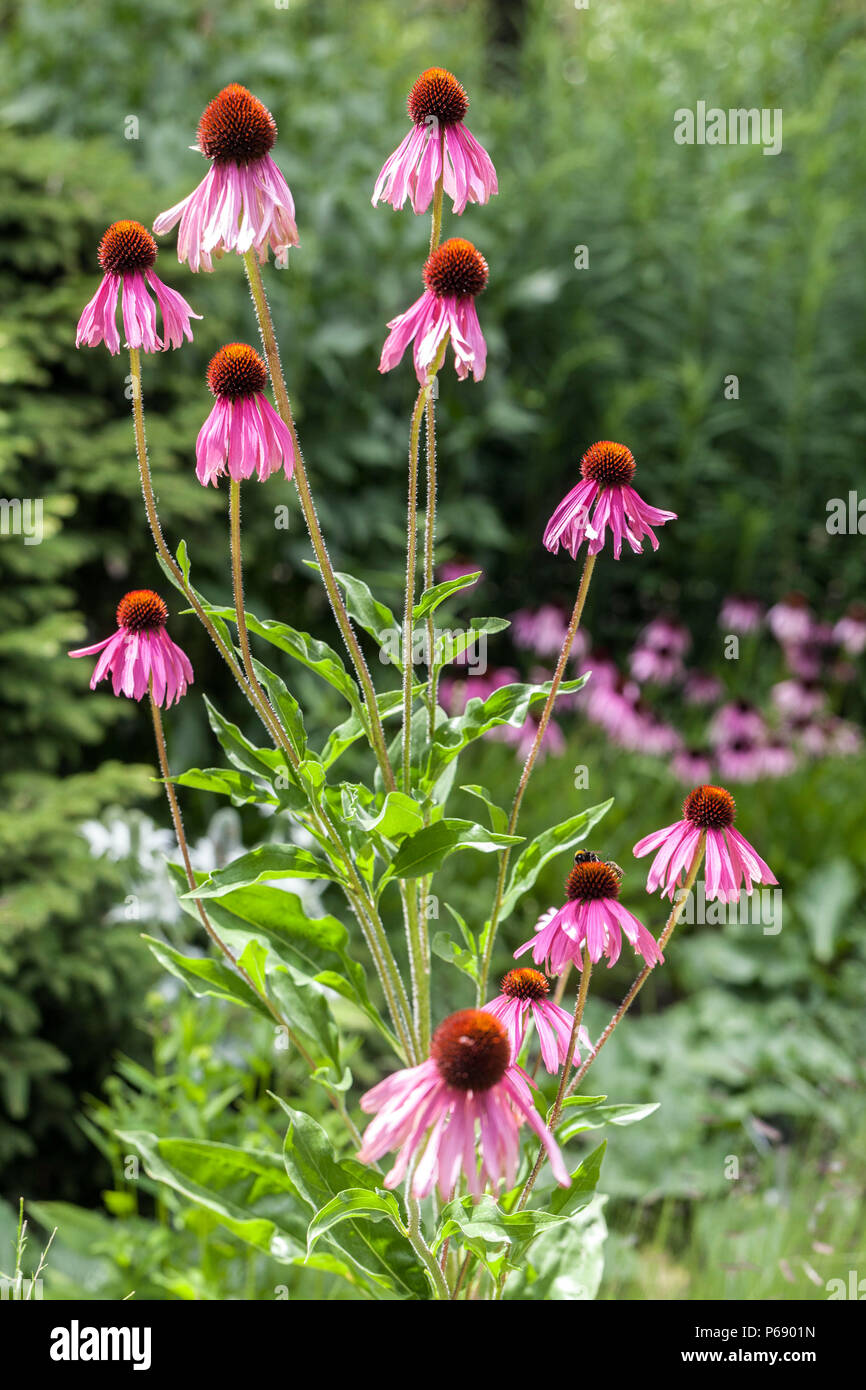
438	144
454	274
243	203
140	655
127	254
592	917
607	470
431	1112
523	994
243	433
730	859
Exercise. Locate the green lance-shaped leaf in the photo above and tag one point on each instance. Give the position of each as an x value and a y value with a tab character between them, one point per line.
259	865
379	1253
425	851
566	1263
398	816
248	1190
498	817
597	1116
204	976
309	651
223	781
553	841
374	617
458	640
508	705
310	944
431	598
354	1203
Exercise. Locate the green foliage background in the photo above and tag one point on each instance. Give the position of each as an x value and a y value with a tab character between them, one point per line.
702	262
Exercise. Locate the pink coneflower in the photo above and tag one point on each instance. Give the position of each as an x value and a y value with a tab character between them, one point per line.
522	737
592	915
701	688
433	1110
690	766
655	666
850	631
730	859
790	620
140	655
524	992
742	615
778	759
741	761
737	720
243	433
456	694
243	203
454	274
457	569
655	737
542	630
127	254
606	470
438	143
798	699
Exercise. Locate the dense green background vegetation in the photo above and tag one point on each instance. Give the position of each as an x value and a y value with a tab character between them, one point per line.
702	263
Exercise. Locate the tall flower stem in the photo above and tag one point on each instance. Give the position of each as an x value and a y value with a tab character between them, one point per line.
156	529
667	933
238	591
422	1249
222	947
272	353
418	946
436	221
563	1080
376	940
577	614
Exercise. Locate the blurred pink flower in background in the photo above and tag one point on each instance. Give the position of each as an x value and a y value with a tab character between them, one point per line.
691	766
701	688
741	615
790	620
735	721
850	631
542	630
798	699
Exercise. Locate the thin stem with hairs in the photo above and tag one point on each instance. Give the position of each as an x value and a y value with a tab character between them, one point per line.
577	614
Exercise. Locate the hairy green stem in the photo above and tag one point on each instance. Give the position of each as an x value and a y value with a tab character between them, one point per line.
222	947
375	731
667	933
563	1080
577	614
422	1249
